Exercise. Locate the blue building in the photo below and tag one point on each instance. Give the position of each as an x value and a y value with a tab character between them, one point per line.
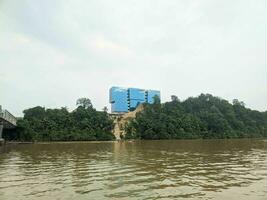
127	99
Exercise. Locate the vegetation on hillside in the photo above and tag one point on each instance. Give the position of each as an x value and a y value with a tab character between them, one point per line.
205	116
84	123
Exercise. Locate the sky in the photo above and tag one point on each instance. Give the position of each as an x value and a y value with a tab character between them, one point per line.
53	52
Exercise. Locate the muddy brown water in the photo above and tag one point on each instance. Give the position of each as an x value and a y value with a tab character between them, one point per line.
177	169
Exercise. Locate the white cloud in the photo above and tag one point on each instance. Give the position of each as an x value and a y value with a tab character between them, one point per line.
53	52
102	45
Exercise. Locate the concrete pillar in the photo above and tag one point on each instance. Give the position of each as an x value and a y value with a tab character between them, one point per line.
2	141
1	130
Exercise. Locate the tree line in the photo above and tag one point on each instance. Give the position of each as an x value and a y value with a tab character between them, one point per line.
205	116
84	123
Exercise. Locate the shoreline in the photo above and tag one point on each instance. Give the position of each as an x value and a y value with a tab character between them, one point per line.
130	140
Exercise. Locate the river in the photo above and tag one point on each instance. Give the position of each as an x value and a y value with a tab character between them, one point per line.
175	169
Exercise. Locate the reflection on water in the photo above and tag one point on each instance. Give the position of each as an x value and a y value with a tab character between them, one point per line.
197	169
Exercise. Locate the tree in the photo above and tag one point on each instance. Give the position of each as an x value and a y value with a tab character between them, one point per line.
37	112
174	98
156	99
236	102
105	109
204	116
84	123
84	102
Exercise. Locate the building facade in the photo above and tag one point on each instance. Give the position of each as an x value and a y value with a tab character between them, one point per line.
127	99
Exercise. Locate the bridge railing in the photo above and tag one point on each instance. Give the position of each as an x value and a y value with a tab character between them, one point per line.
8	116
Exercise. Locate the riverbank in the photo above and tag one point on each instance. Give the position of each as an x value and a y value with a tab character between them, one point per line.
130	140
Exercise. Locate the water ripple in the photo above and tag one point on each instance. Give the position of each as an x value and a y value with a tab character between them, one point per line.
136	170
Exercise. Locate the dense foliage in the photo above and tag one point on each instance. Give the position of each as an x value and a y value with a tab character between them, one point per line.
205	116
84	123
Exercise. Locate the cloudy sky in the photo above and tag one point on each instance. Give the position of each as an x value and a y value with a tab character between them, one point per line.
53	52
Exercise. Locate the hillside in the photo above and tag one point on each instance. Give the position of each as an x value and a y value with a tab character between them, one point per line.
203	117
121	121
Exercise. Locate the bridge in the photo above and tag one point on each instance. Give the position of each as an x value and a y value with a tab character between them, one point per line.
7	121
